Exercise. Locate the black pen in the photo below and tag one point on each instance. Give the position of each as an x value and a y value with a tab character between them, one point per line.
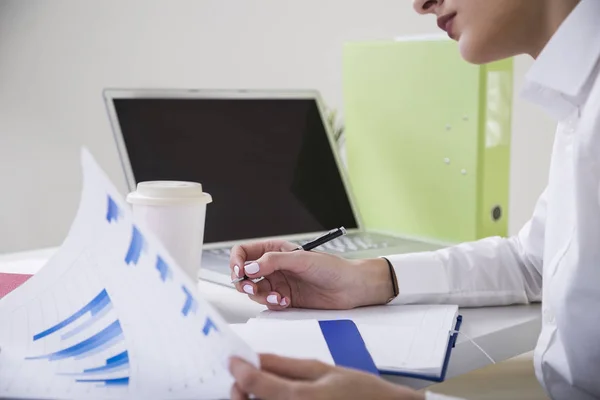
313	244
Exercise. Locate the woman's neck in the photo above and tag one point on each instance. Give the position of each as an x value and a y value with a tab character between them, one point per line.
555	13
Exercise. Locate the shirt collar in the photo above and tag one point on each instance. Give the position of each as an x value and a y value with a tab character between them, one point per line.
562	76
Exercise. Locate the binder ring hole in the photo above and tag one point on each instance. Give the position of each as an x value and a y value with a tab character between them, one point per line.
496	213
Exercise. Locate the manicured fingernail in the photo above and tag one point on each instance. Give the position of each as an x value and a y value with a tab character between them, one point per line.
283	302
272	298
236	270
249	289
252	268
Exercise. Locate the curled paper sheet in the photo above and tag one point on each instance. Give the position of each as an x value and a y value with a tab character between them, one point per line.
111	315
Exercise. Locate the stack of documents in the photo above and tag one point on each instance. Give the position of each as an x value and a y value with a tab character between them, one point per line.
414	341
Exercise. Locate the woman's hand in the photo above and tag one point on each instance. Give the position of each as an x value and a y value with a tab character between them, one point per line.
308	279
294	379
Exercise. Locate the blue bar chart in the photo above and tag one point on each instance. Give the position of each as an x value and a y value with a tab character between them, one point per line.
78	325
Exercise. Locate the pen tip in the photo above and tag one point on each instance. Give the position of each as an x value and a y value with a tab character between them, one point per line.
343	230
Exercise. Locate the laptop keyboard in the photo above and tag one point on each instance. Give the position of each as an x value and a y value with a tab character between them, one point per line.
344	244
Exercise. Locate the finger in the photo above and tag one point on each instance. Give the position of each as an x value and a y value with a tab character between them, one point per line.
238	285
280	285
237	393
240	254
253	381
270	299
261	288
283	304
273	298
248	287
275	301
237	272
293	368
294	261
264	295
256	286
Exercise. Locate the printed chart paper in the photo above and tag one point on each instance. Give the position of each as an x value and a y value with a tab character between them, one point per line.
111	315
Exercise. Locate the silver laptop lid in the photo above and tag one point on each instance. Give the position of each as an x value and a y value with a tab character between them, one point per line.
266	157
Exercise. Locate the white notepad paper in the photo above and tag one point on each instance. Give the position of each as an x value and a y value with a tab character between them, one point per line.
281	338
404	339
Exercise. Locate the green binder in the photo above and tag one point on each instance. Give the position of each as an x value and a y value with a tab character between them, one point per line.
427	139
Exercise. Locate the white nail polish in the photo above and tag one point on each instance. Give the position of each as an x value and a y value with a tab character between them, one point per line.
236	270
252	268
283	302
272	299
248	289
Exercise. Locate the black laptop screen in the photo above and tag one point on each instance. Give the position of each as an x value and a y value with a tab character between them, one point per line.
267	163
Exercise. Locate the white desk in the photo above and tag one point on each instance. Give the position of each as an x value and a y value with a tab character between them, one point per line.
503	332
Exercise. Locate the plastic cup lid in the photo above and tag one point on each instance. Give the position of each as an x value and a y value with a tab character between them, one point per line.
168	192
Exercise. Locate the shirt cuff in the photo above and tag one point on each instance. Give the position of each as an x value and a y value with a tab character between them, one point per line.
421	278
436	396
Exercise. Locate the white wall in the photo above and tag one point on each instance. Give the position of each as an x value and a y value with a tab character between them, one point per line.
56	56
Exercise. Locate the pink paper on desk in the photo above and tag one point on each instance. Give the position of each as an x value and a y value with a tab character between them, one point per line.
9	282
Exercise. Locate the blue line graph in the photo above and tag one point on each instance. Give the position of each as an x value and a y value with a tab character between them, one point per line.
112	364
112	213
107	345
94	307
85	325
107	382
118	359
117	363
163	269
99	342
112	331
135	247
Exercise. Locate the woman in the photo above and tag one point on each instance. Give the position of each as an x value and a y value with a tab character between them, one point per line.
557	252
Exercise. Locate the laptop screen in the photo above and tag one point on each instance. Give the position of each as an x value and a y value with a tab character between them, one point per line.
267	163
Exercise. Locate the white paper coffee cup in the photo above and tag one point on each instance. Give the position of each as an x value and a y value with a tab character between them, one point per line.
175	212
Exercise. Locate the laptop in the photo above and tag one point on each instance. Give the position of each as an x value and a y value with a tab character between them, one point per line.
267	158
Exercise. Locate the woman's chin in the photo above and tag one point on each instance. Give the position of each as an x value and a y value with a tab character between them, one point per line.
473	51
